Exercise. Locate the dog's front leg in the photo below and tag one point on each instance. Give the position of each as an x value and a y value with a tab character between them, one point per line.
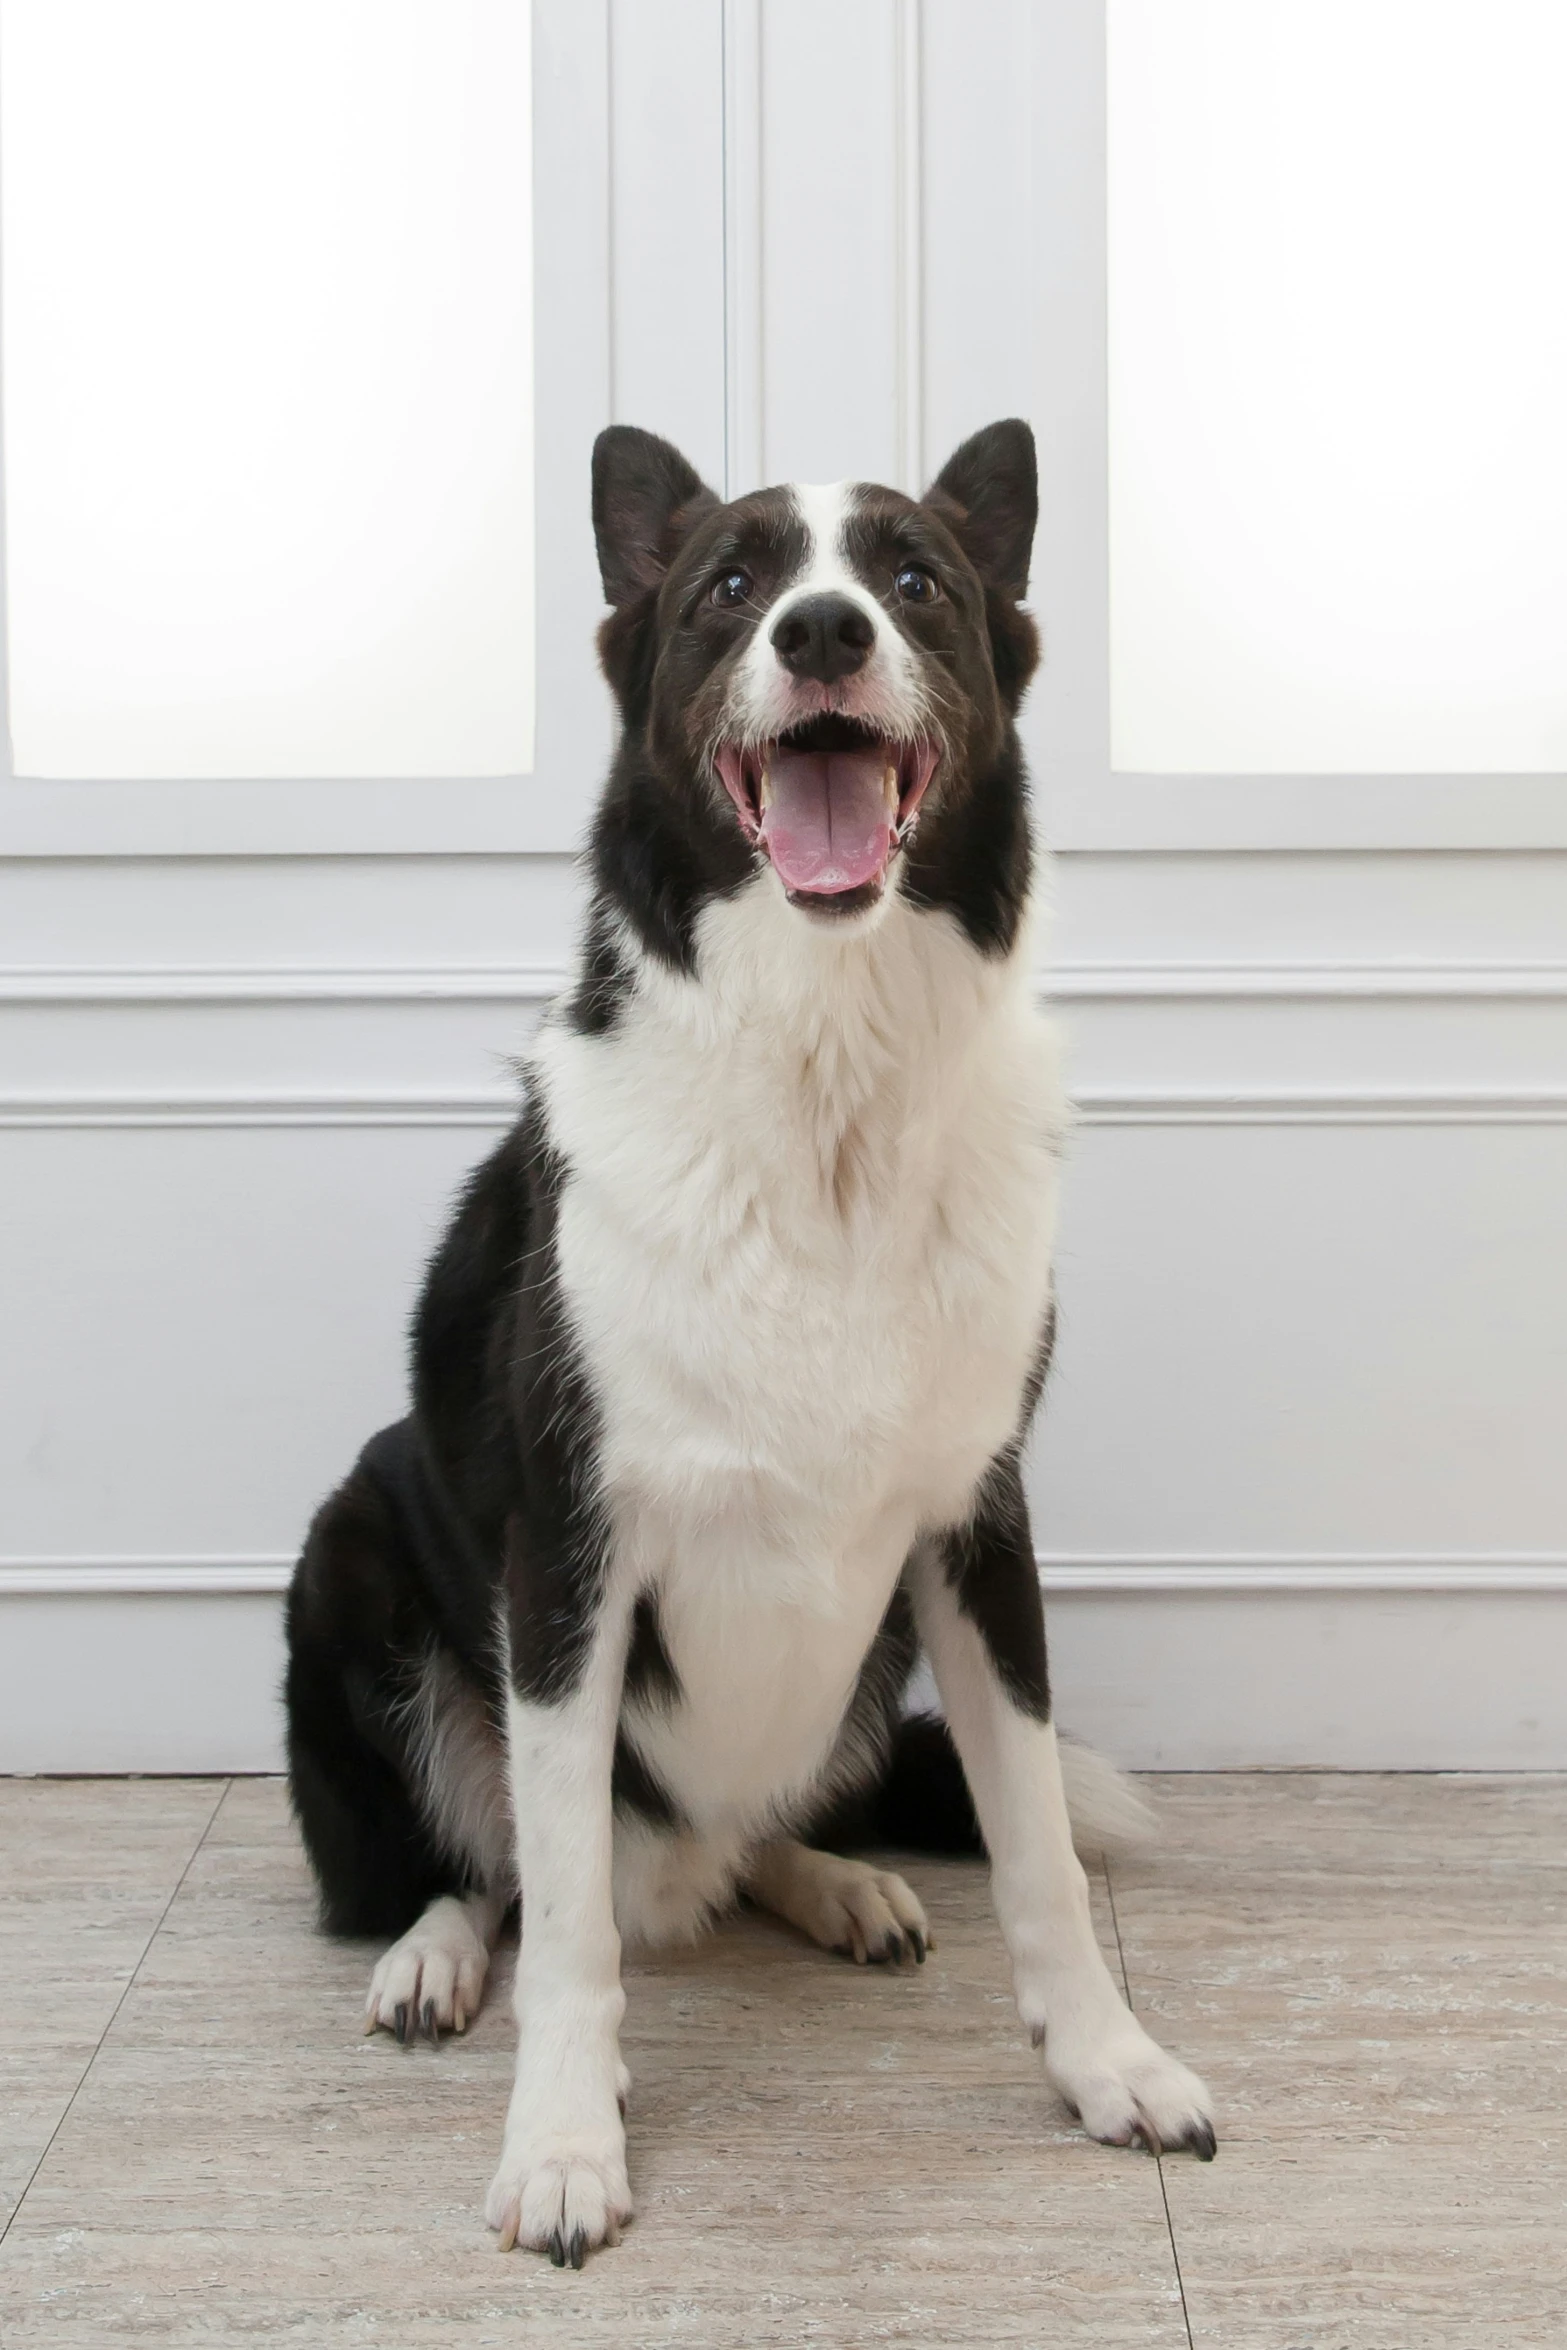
980	1617
561	2186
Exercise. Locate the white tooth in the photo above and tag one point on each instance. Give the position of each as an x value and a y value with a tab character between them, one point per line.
889	785
765	792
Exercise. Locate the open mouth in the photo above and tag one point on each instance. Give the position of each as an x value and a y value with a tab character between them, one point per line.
829	802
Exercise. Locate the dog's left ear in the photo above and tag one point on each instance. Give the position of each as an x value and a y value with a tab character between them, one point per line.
987	493
645	495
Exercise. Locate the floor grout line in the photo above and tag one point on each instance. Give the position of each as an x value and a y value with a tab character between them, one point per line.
130	1985
1164	2191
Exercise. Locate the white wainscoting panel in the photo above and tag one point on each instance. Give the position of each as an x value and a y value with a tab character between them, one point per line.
1193	1680
107	1682
214	1318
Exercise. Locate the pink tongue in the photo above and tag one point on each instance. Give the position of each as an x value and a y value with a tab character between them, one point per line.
827	826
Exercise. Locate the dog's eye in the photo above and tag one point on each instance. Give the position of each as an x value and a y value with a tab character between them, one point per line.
916	586
731	587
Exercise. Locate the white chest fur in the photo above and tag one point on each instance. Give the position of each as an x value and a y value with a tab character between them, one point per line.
805	1243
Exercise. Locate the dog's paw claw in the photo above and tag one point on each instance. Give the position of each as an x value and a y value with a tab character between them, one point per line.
1126	2090
431	1981
862	1913
564	2204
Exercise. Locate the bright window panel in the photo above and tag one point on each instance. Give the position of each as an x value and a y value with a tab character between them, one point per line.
268	386
1338	385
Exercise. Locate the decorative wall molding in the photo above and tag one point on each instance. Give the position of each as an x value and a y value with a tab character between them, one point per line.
1361	1106
484	1108
744	414
1442	982
1074	982
144	1577
1128	1574
492	1109
908	50
1325	1571
283	984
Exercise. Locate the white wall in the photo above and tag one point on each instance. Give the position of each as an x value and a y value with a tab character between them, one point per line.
1299	1488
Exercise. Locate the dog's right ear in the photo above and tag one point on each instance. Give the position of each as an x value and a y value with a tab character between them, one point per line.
645	496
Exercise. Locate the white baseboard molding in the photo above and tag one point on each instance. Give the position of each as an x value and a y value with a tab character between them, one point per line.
183	1676
1366	1680
181	1681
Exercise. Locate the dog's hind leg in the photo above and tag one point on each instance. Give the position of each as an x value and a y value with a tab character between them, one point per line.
432	1980
977	1604
864	1913
356	1632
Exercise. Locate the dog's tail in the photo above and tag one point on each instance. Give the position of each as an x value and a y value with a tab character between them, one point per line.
923	1803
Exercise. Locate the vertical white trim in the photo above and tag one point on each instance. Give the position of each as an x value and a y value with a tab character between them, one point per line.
744	415
612	413
908	37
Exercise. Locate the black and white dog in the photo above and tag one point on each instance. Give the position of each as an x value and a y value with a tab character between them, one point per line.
722	1372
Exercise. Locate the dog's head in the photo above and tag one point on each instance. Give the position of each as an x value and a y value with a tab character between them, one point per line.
811	676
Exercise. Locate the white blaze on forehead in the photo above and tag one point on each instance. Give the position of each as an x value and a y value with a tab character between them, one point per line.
824	507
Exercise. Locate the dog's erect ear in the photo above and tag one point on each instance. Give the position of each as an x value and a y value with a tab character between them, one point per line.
988	495
643	493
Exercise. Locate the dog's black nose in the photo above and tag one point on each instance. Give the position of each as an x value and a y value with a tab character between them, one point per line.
825	637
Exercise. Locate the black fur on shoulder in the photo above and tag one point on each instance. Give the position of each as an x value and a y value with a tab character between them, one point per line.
503	1407
604	977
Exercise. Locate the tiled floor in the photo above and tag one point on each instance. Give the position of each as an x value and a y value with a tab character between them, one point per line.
199	2146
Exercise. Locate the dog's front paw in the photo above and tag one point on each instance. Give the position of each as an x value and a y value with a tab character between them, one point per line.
564	2193
1122	2087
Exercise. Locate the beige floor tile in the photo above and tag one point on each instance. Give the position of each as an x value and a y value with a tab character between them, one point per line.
1372	1972
86	1869
820	2154
1362	2247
